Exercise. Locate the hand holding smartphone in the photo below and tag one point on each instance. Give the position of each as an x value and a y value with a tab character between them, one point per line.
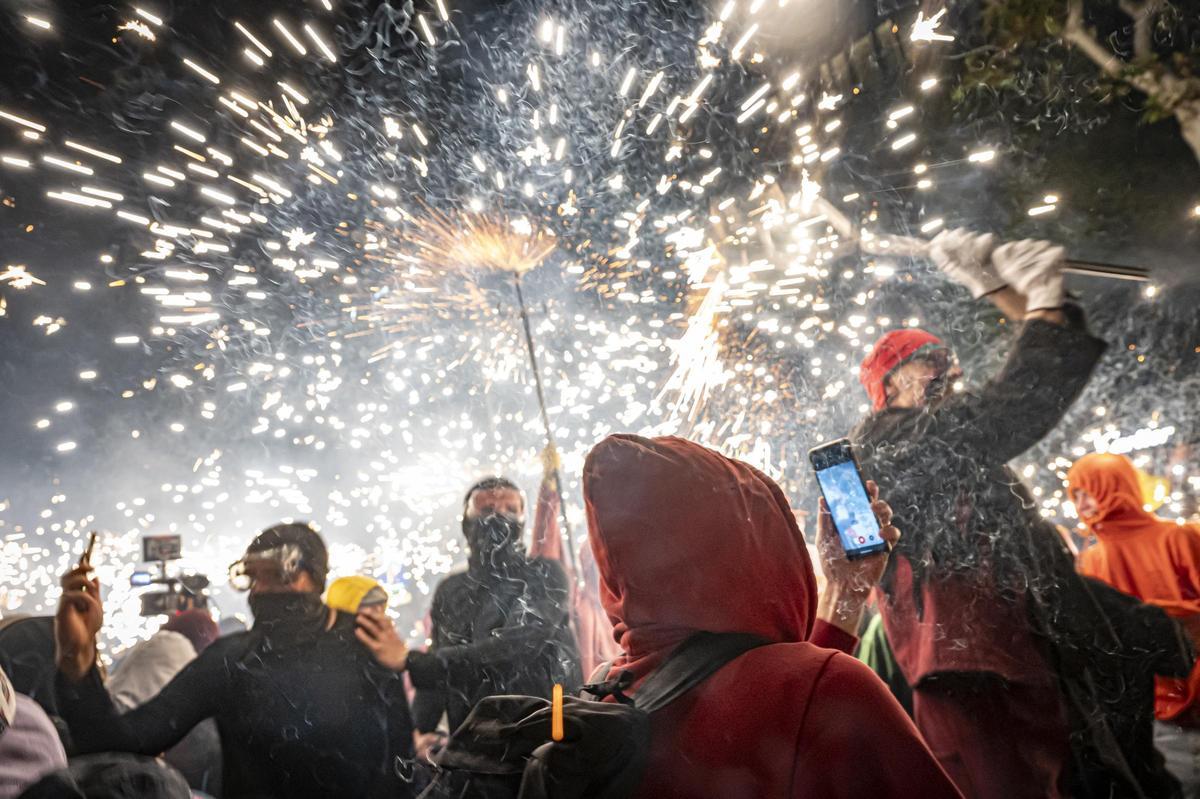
849	503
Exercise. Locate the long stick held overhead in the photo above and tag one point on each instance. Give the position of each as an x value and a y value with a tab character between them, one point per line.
541	398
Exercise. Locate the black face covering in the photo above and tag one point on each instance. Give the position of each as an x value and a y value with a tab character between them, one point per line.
287	606
494	540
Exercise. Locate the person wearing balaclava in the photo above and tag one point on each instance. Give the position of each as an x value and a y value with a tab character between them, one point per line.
1015	662
501	626
1157	561
302	707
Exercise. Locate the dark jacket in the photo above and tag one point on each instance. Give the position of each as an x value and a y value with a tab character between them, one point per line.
496	630
302	711
27	657
974	544
980	582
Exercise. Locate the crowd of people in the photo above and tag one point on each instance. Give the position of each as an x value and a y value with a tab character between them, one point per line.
979	657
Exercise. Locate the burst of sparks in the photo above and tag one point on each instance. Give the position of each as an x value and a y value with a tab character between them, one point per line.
449	241
706	304
925	29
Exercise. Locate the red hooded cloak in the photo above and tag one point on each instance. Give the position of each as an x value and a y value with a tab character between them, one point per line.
687	540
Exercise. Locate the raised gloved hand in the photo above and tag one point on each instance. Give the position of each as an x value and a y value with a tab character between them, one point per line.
965	257
1035	269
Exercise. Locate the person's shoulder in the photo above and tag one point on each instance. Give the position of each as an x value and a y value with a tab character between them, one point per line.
171	644
454	581
1184	532
884	426
1185	537
847	689
788	666
227	644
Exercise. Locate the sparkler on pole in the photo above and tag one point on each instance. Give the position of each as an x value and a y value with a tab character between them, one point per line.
541	397
504	245
917	247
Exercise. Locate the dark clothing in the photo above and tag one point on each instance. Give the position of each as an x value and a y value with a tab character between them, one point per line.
1122	685
982	585
27	657
302	711
969	720
973	542
111	776
499	629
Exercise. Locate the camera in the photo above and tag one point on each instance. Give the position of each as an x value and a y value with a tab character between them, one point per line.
180	592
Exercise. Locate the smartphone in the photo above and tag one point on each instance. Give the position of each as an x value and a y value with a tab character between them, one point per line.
845	493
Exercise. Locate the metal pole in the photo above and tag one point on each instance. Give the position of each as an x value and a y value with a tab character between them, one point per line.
1110	271
541	397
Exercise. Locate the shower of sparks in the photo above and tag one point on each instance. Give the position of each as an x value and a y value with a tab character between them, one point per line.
454	241
328	286
19	277
696	356
925	29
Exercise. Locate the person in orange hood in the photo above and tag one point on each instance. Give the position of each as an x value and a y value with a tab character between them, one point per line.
1158	562
687	540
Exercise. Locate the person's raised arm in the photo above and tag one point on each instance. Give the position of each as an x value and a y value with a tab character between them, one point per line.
94	720
1047	368
848	583
547	536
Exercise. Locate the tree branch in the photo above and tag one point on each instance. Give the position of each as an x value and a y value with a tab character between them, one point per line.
1076	34
1109	62
1142	14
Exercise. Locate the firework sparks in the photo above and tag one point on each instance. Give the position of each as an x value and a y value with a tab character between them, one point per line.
456	241
358	357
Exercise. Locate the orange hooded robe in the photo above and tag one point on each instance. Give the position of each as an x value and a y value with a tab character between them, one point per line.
1153	559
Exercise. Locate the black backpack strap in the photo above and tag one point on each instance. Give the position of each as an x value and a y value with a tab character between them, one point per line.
692	662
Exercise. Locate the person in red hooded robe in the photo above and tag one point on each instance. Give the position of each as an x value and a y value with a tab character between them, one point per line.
1157	561
687	540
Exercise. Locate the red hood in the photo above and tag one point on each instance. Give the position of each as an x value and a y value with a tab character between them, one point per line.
687	540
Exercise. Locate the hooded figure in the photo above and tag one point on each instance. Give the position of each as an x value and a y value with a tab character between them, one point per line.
687	540
500	627
1153	559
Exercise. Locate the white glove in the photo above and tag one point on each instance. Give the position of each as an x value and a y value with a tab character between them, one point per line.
1035	269
965	257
